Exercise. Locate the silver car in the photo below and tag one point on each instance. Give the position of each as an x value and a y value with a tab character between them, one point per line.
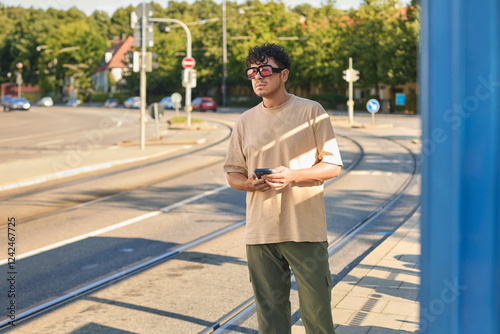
18	103
133	102
45	102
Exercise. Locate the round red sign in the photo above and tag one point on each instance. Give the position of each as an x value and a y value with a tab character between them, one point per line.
188	62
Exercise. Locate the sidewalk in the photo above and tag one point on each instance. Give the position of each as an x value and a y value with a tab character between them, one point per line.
380	294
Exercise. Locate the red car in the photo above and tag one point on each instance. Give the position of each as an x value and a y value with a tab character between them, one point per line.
204	103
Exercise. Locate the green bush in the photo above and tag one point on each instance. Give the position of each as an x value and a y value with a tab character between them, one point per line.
329	100
103	96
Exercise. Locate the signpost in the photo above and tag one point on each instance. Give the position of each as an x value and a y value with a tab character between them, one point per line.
373	106
188	62
350	75
176	101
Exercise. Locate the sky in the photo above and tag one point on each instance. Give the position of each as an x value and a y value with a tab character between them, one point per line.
88	6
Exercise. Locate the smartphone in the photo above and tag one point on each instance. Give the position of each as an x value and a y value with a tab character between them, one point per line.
261	171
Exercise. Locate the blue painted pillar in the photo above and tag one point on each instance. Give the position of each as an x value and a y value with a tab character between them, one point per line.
460	107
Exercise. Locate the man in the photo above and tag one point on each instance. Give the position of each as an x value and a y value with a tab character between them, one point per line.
286	221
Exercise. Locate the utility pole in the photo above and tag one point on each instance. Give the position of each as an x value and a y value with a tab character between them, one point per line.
224	52
143	37
19	79
351	76
143	76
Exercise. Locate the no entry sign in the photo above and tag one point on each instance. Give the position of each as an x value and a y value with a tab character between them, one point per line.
188	62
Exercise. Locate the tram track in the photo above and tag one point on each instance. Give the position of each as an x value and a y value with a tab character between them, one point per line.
246	309
121	171
139	267
238	312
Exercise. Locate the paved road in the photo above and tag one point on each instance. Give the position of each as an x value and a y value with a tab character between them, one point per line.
82	232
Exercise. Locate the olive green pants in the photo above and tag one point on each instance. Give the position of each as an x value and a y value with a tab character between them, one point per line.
269	266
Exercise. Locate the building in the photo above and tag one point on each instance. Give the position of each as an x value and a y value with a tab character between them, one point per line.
113	66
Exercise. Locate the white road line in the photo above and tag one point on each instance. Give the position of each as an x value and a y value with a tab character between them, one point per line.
118	225
55	141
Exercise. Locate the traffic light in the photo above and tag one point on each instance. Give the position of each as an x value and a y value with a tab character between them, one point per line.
350	75
189	77
133	20
149	41
138	18
347	75
354	75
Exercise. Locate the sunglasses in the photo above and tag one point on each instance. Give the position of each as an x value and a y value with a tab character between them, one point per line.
263	70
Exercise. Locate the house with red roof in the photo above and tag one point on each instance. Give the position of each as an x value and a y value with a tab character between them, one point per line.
114	65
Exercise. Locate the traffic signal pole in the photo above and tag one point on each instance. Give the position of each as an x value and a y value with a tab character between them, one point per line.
143	76
351	76
189	55
143	38
351	100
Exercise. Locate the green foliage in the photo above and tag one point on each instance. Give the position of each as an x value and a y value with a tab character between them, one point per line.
329	100
381	38
103	96
182	119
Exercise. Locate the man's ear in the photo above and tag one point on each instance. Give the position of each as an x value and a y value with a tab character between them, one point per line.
284	74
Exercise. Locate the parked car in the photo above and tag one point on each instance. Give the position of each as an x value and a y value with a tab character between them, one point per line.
5	101
111	103
204	103
73	102
133	102
18	103
166	103
45	102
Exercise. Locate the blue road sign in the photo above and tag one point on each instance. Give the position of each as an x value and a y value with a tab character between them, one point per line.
400	99
372	106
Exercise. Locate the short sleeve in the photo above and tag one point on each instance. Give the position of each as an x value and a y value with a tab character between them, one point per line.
236	161
326	142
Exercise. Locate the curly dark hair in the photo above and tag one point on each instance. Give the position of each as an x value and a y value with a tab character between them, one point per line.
261	54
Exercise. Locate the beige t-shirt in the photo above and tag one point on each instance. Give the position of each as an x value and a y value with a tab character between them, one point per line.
297	134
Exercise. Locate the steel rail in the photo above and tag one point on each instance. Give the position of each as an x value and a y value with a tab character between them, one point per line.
113	173
248	307
44	307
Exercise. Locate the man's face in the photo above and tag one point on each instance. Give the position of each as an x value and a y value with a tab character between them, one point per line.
267	86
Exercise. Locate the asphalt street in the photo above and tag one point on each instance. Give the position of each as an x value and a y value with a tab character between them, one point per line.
75	231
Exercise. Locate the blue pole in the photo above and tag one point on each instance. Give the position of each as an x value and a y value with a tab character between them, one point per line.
460	107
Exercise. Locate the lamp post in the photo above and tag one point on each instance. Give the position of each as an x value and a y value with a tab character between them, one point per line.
53	63
224	52
19	79
188	55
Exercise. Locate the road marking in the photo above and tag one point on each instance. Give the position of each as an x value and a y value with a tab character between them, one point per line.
119	225
55	141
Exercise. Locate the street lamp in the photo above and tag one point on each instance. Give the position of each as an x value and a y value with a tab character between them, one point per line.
19	79
224	52
53	63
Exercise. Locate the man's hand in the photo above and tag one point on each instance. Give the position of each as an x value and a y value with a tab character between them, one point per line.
280	178
255	184
283	176
240	182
